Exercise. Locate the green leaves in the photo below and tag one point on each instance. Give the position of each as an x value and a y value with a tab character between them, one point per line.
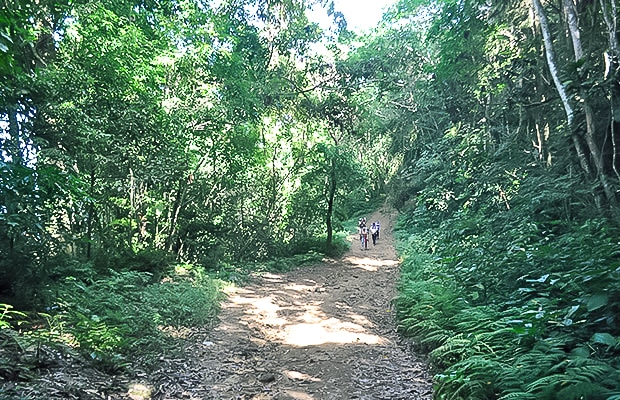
511	303
497	225
604	338
124	313
597	301
8	315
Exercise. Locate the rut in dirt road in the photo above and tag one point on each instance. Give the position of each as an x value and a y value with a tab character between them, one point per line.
323	332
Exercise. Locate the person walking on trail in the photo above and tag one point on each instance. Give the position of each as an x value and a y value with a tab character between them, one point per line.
363	230
360	224
374	230
378	225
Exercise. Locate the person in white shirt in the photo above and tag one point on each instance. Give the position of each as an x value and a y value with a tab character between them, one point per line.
374	230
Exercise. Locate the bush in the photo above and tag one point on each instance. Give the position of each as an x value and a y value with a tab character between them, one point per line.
185	303
122	314
512	308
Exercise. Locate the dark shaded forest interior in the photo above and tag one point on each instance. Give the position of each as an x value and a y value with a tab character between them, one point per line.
156	154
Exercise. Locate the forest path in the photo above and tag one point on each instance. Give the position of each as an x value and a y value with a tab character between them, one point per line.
321	332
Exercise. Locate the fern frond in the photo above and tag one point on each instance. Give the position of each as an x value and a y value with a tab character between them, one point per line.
437	339
471	378
546	382
518	396
582	390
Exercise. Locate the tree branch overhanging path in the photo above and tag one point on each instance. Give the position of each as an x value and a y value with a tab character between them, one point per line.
320	332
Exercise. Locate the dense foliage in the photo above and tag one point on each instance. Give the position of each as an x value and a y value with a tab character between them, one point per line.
150	149
147	131
504	114
141	140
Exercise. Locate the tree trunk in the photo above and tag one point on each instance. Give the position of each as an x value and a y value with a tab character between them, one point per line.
14	146
590	134
612	69
595	153
174	215
90	215
330	204
612	26
179	201
573	27
553	68
581	155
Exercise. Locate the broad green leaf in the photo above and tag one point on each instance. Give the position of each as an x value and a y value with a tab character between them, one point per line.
580	351
604	338
597	301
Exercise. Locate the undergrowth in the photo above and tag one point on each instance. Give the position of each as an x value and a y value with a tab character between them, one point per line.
512	308
115	318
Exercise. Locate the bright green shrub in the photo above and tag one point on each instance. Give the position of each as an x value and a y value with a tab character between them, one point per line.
513	309
123	313
183	303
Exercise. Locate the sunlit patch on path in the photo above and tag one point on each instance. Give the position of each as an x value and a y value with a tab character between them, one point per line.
329	331
369	264
283	317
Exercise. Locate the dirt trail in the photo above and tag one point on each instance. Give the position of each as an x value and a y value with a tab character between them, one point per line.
323	332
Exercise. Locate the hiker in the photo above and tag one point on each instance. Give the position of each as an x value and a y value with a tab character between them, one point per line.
374	232
363	230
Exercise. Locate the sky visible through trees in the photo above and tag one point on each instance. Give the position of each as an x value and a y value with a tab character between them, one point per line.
360	15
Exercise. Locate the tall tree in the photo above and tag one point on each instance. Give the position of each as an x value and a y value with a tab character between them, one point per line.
590	135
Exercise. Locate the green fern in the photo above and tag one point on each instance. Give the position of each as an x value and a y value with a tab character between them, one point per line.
582	390
518	396
471	378
514	304
453	350
545	383
437	338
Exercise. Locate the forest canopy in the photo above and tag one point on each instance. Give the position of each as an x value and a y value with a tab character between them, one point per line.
149	141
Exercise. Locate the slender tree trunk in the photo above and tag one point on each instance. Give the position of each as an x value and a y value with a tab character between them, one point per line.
611	70
553	68
581	154
91	216
590	135
133	213
179	201
538	144
573	27
614	143
330	203
174	215
14	142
